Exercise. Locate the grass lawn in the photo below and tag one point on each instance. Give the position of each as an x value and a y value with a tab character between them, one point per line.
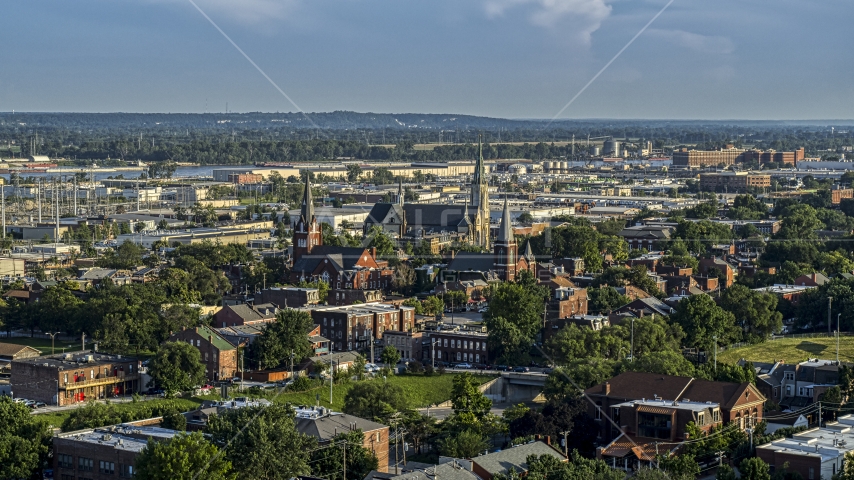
420	391
42	344
792	350
186	404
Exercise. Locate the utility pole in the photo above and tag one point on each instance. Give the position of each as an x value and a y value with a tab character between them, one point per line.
52	336
565	444
633	340
715	338
829	307
83	338
345	460
819	414
3	207
837	337
39	195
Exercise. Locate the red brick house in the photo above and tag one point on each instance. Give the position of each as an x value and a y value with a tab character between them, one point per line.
218	354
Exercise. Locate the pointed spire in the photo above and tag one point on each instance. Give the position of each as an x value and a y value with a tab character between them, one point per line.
400	191
307	211
505	230
529	255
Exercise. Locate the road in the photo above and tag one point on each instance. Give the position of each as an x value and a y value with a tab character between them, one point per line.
445	412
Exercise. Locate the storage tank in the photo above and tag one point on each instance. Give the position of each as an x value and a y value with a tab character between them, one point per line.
547	166
555	167
612	147
518	169
564	167
594	151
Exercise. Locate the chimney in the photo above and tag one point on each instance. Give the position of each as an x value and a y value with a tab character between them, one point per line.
606	388
374	252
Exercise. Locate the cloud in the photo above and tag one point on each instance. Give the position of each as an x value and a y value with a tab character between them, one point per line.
578	17
695	41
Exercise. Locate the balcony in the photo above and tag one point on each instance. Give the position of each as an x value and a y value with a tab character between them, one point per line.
94	382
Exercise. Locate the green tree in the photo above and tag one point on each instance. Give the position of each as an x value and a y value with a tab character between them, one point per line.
703	321
513	318
755	311
681	466
327	462
183	457
287	335
465	444
432	305
754	468
390	356
605	299
375	400
25	440
177	367
354	171
667	362
847	472
381	240
725	472
799	222
262	442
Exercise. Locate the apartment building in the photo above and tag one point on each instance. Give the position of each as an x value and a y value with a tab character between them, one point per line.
217	354
733	182
353	327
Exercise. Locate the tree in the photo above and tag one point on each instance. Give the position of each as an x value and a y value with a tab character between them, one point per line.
681	466
286	336
380	240
756	311
177	367
467	399
390	356
847	472
126	257
754	468
513	317
432	305
605	299
404	279
667	362
725	472
799	222
375	400
702	320
354	171
466	444
327	462
183	457
262	442
25	440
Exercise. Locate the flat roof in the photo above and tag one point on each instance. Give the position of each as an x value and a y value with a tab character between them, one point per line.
124	436
670	404
74	360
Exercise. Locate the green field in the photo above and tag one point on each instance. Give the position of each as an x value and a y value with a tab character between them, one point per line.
420	391
792	350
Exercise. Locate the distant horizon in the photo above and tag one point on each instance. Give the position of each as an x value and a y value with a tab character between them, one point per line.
457	114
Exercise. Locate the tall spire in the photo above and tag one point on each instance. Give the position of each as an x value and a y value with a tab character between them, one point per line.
307	211
400	191
505	230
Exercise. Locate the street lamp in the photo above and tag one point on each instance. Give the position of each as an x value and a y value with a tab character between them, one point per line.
52	336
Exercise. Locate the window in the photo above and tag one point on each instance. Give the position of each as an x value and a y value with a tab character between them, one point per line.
812	474
85	464
477	358
790	375
446	343
65	378
65	461
716	415
654	426
477	346
125	470
701	419
324	321
466	344
459	356
108	468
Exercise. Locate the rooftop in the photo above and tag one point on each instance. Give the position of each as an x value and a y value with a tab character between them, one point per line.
514	457
73	360
671	404
121	437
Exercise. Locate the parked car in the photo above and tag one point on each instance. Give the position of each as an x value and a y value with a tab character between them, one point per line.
482	310
463	365
38	405
284	383
521	369
236	380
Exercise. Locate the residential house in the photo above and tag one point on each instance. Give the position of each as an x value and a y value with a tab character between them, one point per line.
814	454
815	279
514	458
325	425
244	314
217	354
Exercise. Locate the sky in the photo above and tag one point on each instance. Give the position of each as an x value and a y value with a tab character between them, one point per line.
700	59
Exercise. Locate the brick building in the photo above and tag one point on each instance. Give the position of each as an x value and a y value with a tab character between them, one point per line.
408	344
217	353
244	178
104	453
733	182
838	194
653	407
243	314
814	454
769	156
708	158
450	346
292	297
353	327
74	377
324	425
567	301
11	351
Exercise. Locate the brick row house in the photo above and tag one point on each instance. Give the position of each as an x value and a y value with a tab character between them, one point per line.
217	354
453	346
353	327
653	410
70	378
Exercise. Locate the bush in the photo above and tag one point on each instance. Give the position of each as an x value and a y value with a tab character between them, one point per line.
441	369
302	384
415	367
428	370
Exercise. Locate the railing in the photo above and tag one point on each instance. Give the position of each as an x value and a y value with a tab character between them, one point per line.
99	381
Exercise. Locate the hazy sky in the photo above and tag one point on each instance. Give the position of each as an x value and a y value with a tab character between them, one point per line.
710	59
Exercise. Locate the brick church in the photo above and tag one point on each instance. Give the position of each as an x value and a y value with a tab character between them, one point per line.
352	273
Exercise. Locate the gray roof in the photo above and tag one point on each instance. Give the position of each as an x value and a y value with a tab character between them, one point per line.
326	427
344	258
515	457
477	262
505	230
423	471
436	216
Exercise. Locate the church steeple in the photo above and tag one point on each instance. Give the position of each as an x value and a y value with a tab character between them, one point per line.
307	233
400	192
506	250
480	200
